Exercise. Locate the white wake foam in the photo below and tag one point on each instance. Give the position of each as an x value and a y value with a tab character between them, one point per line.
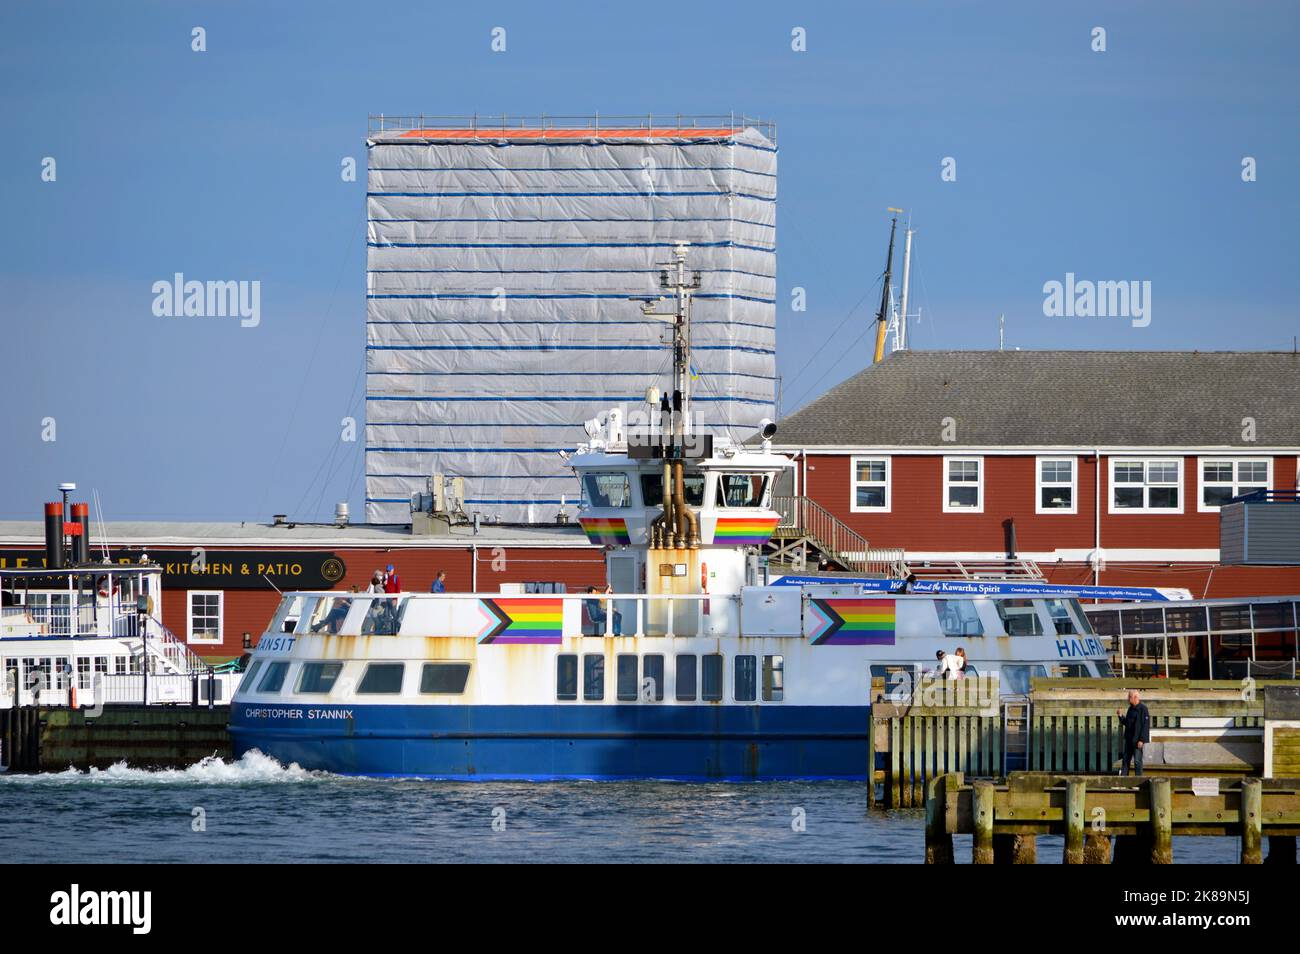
252	767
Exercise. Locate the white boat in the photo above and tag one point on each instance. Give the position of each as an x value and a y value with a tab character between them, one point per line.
693	666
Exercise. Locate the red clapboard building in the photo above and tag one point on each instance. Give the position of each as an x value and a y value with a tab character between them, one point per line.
220	580
1100	466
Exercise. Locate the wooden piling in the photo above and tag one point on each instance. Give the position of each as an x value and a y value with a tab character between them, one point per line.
1075	793
1252	821
1096	848
1160	802
1015	849
982	850
938	842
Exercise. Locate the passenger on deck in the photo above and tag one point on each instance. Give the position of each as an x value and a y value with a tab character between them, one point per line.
439	584
334	618
596	615
392	582
960	672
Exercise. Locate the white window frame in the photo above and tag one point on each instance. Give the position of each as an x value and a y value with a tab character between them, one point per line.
1201	505
1039	484
979	484
854	483
1180	465
189	617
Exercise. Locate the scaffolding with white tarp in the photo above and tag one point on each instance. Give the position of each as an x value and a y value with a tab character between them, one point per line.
501	259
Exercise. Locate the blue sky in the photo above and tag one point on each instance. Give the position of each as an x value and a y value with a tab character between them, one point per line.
225	164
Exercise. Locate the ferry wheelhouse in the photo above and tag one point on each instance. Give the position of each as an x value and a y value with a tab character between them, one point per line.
693	665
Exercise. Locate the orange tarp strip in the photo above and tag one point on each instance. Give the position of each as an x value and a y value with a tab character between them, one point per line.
487	132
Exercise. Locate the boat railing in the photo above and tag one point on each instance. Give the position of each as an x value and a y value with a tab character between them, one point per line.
561	127
91	691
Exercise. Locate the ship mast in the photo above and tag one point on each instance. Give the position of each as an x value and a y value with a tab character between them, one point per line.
677	526
882	316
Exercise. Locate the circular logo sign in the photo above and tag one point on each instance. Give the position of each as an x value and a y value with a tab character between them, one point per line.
332	569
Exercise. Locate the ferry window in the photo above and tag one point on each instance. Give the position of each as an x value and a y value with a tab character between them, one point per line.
1015	679
963	484
318	677
773	678
1151	486
652	678
566	677
745	671
1272	615
329	615
687	677
203	617
627	687
958	618
1075	670
444	679
712	678
607	490
1104	622
652	489
1055	485
1221	479
286	615
741	490
1062	618
273	680
1103	668
593	677
383	616
382	679
1080	617
248	676
897	680
870	484
1019	617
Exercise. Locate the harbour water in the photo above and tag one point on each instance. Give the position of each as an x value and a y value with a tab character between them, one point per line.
255	810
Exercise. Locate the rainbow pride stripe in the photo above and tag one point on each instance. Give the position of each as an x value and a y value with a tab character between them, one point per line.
605	530
524	619
852	622
744	531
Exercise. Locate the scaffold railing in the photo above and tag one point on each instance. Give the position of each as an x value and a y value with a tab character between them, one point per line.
646	123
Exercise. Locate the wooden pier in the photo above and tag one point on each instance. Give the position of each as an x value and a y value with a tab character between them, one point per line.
1142	815
52	739
1198	728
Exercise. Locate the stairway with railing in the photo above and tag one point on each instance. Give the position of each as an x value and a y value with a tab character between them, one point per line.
807	525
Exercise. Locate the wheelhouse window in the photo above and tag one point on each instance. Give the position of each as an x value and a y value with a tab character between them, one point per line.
1146	486
1019	617
963	484
1067	618
652	489
382	679
203	616
318	678
1223	478
958	618
443	678
745	682
1056	485
741	490
607	490
870	484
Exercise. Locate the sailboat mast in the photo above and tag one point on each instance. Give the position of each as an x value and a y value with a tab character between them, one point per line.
882	316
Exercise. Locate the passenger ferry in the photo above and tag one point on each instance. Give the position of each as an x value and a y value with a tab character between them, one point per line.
693	666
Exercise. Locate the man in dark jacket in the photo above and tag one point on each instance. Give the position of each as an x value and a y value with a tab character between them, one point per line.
1137	732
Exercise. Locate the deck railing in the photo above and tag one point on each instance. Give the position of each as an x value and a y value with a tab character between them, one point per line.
496	125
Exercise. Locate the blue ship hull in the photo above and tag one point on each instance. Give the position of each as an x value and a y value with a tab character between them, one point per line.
687	743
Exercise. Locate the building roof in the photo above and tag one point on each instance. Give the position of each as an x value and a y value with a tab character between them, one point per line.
1058	398
129	533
